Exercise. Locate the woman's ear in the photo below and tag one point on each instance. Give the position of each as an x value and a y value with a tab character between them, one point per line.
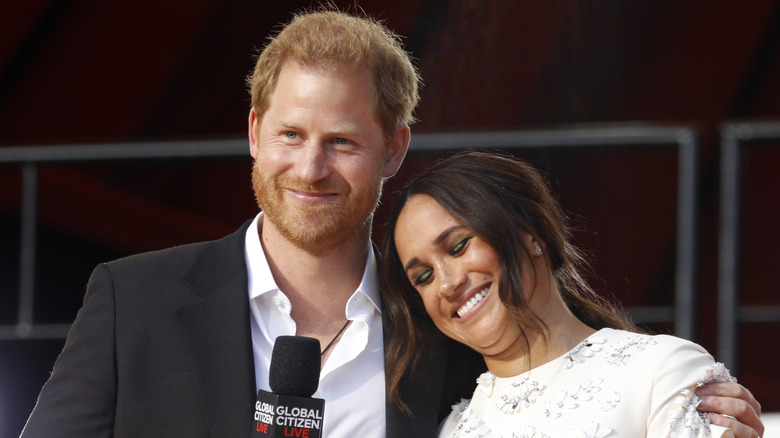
537	246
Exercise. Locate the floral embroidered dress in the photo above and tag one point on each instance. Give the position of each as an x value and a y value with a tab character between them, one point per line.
613	384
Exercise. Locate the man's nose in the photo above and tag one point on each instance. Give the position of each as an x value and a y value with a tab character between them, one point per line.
312	163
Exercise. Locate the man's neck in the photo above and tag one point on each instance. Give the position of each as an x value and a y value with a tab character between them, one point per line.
318	285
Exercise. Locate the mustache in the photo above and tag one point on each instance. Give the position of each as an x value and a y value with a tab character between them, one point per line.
325	186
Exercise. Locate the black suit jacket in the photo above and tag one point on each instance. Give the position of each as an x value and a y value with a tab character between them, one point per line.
162	348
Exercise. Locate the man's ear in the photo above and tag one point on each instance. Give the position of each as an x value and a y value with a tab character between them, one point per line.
253	125
396	150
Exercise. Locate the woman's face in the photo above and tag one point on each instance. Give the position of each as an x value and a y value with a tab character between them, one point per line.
457	275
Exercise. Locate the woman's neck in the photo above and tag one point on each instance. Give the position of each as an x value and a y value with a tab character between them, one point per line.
563	332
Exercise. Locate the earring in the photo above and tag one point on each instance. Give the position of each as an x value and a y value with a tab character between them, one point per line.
538	249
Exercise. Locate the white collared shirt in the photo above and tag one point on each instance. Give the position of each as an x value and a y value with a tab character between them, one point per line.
352	382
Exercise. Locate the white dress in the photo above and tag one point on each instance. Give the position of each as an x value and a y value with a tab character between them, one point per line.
613	384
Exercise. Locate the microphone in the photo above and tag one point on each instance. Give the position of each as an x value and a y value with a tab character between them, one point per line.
289	410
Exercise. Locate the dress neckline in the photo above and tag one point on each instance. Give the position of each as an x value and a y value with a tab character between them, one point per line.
575	354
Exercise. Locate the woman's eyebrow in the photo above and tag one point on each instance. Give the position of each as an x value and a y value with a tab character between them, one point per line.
437	241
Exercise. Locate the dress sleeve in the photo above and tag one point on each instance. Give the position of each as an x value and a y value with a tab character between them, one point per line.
79	398
683	368
450	423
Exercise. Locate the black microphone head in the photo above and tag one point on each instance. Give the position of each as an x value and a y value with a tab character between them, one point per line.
295	366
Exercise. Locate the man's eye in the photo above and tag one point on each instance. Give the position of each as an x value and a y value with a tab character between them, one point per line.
423	277
290	134
341	140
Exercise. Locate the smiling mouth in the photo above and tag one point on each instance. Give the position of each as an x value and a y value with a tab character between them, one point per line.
473	302
311	196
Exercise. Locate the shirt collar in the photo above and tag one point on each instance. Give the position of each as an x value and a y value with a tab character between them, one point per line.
261	281
369	285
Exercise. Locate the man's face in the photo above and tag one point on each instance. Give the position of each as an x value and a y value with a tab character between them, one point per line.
320	156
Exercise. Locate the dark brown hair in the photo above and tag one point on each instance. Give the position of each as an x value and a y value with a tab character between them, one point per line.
496	197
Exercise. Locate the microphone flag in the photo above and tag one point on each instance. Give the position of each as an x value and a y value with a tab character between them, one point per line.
290	411
288	416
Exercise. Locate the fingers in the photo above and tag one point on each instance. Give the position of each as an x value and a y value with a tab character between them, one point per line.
733	406
730	390
738	429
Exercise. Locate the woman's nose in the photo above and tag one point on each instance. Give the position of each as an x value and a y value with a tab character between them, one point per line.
451	281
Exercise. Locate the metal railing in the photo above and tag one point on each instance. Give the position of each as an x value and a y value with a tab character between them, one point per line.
735	136
685	139
31	157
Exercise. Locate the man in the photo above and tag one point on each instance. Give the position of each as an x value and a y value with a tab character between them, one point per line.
176	342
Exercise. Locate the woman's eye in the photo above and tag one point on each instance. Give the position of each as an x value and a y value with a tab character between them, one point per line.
423	277
459	246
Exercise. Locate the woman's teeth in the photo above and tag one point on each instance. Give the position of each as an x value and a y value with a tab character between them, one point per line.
473	302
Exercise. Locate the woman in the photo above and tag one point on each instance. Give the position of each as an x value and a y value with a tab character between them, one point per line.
478	246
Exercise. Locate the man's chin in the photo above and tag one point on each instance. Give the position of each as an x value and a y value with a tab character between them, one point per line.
318	238
318	230
319	243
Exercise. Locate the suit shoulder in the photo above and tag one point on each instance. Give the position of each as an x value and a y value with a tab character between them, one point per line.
229	249
172	255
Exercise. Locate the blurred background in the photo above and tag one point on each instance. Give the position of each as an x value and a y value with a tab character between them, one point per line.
622	105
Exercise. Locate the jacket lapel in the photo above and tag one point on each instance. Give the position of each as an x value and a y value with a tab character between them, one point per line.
422	391
217	328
